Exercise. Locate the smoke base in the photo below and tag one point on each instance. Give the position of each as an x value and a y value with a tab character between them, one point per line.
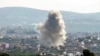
52	32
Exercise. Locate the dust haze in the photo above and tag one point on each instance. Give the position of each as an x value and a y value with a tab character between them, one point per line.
52	32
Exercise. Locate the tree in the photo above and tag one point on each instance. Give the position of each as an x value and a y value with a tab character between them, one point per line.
87	52
4	54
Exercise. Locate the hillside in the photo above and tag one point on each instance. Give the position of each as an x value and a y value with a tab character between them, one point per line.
75	22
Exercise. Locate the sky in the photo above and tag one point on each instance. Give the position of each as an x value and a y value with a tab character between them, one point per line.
81	6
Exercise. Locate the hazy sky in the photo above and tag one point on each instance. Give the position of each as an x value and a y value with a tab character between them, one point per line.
82	6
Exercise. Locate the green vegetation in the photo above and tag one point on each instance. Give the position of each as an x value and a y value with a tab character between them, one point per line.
3	54
18	53
87	52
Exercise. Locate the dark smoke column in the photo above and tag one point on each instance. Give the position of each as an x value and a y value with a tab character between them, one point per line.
52	32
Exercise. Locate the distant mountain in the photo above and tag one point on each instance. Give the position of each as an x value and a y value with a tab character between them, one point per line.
75	22
20	15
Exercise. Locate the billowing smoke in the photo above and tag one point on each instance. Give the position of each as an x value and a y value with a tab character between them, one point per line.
52	32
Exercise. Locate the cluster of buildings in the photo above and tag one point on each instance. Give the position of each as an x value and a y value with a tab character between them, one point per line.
25	40
4	45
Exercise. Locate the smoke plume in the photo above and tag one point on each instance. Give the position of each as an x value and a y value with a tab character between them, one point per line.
52	32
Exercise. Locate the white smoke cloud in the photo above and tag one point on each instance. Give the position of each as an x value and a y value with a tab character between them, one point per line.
52	32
